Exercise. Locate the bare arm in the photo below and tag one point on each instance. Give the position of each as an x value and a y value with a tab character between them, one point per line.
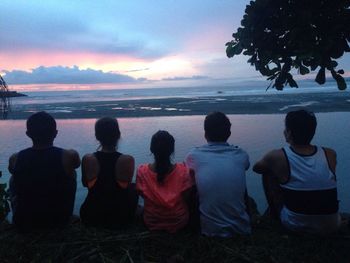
89	169
262	166
124	168
12	162
73	158
331	158
274	164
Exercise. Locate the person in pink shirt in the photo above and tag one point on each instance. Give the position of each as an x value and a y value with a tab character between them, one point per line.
165	187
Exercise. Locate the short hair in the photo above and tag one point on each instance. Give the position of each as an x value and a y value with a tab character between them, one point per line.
217	127
302	125
107	131
41	127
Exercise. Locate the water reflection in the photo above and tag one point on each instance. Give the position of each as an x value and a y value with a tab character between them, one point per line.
255	133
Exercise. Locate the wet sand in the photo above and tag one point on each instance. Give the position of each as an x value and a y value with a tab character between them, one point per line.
248	104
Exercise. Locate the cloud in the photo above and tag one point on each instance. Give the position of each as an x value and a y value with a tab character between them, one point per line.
36	27
195	77
65	75
137	70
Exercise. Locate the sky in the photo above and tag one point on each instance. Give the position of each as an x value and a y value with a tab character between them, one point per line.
124	42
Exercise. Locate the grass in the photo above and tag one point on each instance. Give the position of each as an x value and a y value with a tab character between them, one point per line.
76	243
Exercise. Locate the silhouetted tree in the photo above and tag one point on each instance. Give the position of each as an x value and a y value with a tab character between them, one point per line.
282	35
4	100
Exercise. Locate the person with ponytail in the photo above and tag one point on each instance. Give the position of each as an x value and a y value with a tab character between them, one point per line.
165	187
112	198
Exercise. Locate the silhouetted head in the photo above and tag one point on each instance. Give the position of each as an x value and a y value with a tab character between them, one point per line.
162	147
107	131
41	128
300	126
217	127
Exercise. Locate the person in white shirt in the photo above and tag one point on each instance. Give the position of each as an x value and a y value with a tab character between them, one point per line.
219	170
299	180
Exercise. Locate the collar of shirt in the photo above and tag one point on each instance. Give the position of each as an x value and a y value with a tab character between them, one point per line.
218	143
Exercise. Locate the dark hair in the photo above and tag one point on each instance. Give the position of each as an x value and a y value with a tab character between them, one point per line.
217	127
162	147
41	127
302	125
107	131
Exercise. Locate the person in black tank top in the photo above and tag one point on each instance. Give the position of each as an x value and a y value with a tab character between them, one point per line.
111	199
43	182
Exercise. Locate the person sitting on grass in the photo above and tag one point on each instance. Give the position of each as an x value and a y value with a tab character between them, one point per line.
43	181
219	171
165	187
112	199
299	180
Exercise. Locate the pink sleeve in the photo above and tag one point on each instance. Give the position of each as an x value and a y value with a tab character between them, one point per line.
139	181
188	179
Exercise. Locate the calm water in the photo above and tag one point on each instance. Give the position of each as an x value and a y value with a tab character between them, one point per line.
101	94
255	133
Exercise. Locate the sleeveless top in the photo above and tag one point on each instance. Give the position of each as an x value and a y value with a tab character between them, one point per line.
44	193
310	194
107	203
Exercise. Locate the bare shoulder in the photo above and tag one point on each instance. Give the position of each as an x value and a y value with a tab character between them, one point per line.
125	168
275	155
125	159
89	162
71	153
268	161
89	157
330	152
71	157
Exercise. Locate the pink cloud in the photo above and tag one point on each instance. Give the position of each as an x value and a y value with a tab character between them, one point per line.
26	60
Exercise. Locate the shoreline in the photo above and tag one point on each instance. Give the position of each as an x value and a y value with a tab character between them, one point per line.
247	104
11	94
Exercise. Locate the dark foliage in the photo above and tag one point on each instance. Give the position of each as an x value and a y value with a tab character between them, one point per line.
4	201
4	99
76	243
282	35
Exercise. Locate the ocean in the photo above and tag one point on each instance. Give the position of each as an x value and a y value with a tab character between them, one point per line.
104	94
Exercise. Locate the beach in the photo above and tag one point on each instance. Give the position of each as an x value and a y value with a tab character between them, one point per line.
184	106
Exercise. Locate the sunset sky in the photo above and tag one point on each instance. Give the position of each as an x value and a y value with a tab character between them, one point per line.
121	42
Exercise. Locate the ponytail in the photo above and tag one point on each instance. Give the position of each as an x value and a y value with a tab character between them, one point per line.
162	147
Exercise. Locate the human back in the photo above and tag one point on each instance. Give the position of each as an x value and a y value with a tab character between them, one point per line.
165	187
303	194
111	199
219	170
43	182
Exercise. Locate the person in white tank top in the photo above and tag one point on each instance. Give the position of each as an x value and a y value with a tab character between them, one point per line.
299	180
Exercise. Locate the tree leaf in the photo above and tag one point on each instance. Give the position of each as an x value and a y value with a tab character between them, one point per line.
321	76
340	82
292	83
303	70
